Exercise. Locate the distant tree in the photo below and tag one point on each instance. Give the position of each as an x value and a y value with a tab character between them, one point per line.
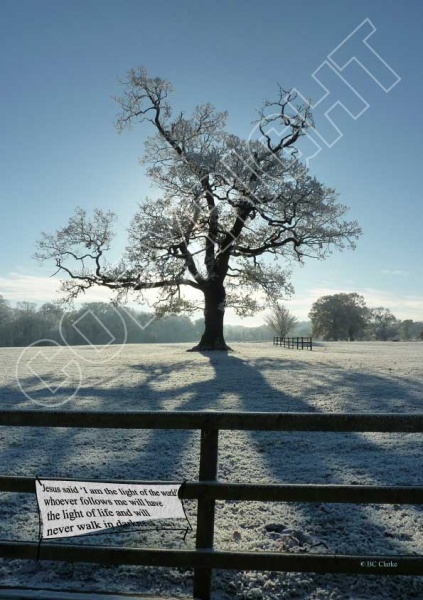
416	330
26	324
51	311
136	324
6	313
339	317
26	308
280	320
383	324
405	329
174	328
198	328
96	323
49	317
226	204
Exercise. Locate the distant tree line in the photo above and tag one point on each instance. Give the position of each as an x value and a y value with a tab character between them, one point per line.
347	317
101	323
336	317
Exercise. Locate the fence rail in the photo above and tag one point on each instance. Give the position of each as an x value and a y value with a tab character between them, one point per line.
208	489
294	342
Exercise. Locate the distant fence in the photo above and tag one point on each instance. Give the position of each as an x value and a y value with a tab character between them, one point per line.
294	342
208	489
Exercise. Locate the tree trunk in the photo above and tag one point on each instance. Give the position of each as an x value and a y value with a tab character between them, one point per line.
214	311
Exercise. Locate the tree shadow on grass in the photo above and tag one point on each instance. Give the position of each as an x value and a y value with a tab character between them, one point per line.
339	458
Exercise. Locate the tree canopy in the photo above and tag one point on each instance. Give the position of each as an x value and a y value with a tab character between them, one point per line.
227	206
339	316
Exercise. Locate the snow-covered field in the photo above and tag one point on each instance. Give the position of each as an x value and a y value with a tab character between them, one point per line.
349	377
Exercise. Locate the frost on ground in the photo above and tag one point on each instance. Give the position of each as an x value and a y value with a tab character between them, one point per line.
357	377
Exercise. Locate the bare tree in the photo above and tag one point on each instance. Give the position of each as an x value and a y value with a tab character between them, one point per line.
280	320
226	204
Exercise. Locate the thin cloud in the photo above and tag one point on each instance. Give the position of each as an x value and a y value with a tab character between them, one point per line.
394	272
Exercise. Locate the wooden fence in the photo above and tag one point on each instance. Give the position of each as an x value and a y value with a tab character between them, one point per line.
208	489
294	342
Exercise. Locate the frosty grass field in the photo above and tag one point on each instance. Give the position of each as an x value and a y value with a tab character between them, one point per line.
347	377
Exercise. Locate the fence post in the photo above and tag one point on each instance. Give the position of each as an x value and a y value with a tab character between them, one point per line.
205	510
311	344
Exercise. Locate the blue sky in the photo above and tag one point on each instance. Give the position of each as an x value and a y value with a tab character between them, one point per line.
59	63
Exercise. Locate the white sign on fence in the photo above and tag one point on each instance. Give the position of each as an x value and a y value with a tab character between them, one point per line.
71	508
